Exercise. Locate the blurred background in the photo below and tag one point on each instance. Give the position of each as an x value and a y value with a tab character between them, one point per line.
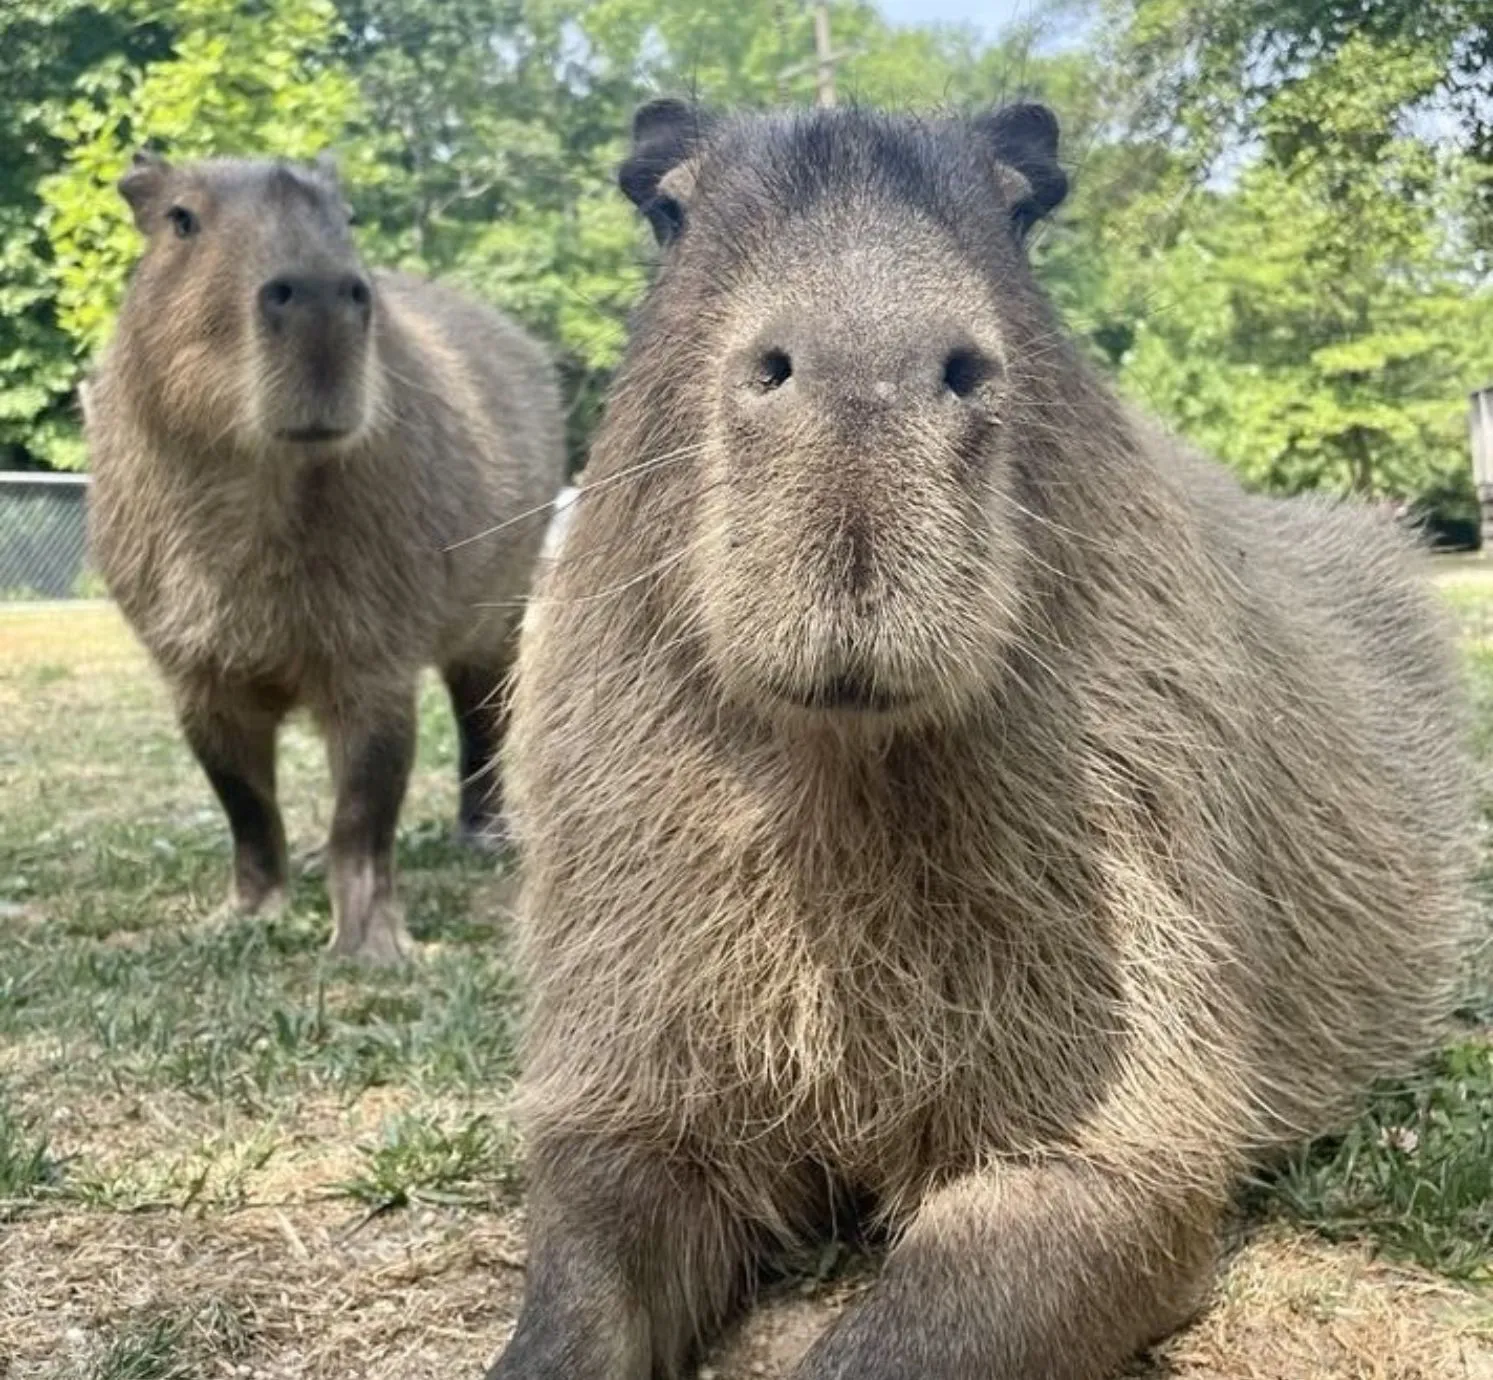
1279	238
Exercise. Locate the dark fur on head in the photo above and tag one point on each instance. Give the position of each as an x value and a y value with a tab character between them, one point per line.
939	789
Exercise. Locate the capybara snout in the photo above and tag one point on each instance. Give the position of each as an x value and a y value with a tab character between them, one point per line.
314	340
870	430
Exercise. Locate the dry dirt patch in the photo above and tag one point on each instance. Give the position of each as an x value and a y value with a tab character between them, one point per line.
322	1293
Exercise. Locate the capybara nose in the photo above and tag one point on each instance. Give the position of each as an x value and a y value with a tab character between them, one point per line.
854	361
300	296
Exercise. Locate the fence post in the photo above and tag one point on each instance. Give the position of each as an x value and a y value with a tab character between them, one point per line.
1480	431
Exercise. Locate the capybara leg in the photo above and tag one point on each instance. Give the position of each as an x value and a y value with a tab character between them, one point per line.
635	1261
480	703
234	740
371	752
1050	1273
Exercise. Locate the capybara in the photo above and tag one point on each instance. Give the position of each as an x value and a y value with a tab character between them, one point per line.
292	457
945	803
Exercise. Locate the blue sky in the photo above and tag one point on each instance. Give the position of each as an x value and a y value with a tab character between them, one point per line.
987	15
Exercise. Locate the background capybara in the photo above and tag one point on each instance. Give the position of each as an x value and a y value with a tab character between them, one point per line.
944	799
290	455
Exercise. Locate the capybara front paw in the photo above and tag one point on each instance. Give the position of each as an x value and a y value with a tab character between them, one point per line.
378	938
263	902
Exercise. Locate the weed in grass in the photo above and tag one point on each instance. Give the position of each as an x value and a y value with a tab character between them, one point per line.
1414	1175
26	1163
416	1159
216	1173
171	1346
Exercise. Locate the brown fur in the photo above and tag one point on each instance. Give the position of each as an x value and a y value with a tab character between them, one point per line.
264	573
959	808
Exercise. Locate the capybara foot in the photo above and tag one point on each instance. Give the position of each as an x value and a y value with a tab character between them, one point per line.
378	938
265	904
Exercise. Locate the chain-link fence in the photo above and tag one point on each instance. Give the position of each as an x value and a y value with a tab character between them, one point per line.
43	546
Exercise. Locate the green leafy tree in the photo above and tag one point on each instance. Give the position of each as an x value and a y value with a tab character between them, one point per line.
46	48
1318	321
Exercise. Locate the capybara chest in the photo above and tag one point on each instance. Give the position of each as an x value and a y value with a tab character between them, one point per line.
875	988
914	1028
308	591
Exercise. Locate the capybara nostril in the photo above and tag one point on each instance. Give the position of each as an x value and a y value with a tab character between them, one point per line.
277	294
965	369
773	369
355	289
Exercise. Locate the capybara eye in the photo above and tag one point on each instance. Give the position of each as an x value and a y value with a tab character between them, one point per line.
667	216
774	369
965	370
185	222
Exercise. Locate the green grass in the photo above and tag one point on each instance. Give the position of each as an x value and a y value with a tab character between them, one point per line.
26	1164
211	1055
418	1160
1414	1174
172	1346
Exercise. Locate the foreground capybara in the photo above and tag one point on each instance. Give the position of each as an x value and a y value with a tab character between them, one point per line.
945	802
291	459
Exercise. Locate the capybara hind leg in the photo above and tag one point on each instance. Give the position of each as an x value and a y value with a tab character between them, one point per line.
233	737
634	1262
1052	1273
480	705
371	752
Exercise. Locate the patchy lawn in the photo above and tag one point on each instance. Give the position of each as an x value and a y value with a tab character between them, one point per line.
224	1154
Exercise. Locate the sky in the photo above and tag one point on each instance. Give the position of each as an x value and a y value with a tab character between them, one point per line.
989	16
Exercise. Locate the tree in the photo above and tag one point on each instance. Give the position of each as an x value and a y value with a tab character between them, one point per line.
1318	321
46	48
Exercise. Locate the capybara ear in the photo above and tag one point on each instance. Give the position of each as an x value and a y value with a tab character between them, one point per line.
142	185
325	164
656	175
1025	138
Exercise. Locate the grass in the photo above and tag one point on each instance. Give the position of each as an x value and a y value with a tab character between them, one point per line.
416	1159
1414	1175
26	1164
185	1109
170	1347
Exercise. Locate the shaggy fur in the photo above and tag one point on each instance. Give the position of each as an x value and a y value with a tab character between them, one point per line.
945	800
284	496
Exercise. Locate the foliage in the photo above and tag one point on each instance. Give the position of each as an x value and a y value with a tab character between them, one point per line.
46	47
1315	314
